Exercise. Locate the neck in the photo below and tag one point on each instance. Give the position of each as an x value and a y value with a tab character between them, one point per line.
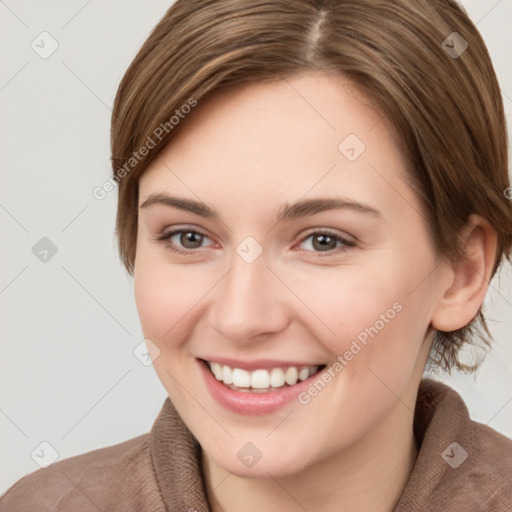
369	475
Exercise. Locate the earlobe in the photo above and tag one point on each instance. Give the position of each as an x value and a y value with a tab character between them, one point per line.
470	277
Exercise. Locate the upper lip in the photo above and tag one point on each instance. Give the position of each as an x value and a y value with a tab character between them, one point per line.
258	364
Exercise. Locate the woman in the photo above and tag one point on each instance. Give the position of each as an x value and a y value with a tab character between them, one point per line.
313	198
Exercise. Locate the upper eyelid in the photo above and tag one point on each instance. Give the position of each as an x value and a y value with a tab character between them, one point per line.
173	232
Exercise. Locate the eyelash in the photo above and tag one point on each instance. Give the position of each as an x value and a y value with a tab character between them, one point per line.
346	244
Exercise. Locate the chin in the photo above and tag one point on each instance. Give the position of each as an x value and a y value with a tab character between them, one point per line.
271	464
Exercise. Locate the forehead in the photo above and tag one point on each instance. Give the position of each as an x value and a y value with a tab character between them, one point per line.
294	115
312	134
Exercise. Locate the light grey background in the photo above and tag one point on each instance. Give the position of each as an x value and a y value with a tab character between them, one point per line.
69	326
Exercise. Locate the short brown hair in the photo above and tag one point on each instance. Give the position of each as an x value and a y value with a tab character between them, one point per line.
410	56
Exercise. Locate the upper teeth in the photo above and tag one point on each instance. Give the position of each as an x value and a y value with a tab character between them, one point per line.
261	379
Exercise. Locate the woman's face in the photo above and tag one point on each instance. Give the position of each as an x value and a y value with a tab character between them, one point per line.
261	284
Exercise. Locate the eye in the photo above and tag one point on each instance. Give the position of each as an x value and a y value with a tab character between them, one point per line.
189	239
186	241
327	242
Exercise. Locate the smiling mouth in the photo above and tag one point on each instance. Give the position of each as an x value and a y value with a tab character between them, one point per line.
261	380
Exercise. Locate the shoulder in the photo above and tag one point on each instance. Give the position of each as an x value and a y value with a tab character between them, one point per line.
490	465
449	413
462	464
478	465
117	477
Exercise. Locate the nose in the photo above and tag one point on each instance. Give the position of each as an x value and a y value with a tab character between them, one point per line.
248	302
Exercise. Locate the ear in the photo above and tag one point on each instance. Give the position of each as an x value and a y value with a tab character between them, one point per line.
468	279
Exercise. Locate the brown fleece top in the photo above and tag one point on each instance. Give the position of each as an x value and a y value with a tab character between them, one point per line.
161	471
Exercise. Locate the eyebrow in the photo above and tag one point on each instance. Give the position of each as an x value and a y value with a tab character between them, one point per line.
302	208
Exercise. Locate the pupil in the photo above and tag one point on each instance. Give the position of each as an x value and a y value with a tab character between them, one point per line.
190	237
322	239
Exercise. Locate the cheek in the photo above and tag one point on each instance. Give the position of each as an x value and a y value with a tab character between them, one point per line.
367	313
348	300
164	295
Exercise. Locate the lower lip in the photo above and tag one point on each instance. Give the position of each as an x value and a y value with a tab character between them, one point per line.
252	403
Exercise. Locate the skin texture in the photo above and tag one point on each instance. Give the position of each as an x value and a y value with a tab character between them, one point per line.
246	152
